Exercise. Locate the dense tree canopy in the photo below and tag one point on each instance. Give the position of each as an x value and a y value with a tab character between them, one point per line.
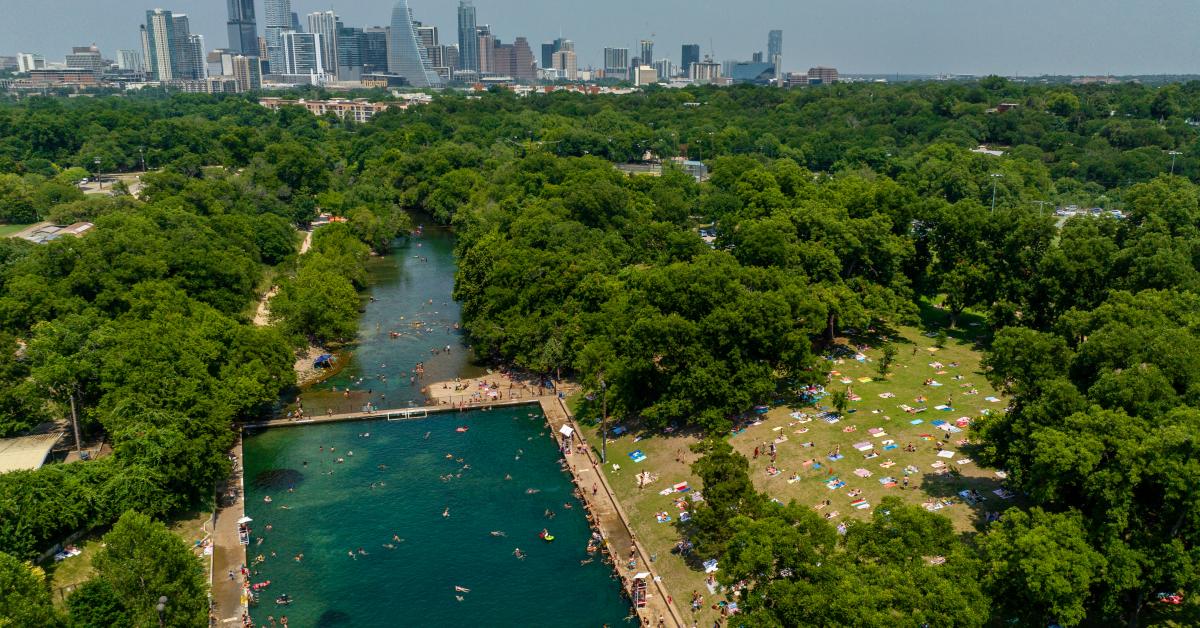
682	302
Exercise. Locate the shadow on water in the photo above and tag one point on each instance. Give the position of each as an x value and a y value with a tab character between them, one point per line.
277	479
332	618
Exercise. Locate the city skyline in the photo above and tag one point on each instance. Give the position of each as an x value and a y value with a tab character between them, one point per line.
865	36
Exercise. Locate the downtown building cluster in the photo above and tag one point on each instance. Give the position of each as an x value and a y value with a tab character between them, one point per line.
320	49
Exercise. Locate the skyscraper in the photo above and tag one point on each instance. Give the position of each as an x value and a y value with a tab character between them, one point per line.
243	31
349	52
373	46
468	37
158	34
616	63
406	57
187	50
647	47
247	71
302	53
774	45
487	53
691	54
324	23
278	19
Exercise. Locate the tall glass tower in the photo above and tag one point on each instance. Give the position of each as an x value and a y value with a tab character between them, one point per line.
243	31
774	45
278	19
406	56
468	38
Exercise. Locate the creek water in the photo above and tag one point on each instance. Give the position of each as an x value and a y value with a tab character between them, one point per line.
440	491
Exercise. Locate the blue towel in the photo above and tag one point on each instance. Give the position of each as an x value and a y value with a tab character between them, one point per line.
890	447
836	457
916	421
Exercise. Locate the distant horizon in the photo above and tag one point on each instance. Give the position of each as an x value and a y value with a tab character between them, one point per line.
1026	38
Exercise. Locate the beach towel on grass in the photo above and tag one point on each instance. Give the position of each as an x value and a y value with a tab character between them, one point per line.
861	504
862	473
890	447
685	516
945	454
834	484
916	421
991	400
637	455
1004	494
836	457
876	431
888	482
964	461
864	380
863	446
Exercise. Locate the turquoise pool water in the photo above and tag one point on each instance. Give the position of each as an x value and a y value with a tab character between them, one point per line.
334	511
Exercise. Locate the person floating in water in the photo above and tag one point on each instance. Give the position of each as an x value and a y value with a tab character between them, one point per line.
446	512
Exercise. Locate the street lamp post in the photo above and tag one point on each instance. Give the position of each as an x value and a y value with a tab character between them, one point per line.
142	156
161	607
98	181
995	178
1173	154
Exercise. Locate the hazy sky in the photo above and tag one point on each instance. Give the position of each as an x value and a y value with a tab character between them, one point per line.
857	36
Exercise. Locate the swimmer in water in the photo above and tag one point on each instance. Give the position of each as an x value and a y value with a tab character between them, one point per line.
389	546
396	538
497	533
427	435
519	554
446	512
507	476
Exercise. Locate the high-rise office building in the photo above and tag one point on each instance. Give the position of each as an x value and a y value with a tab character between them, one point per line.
616	63
247	71
158	36
302	54
523	66
349	52
373	46
756	57
774	44
428	36
665	68
187	52
691	54
487	53
277	19
406	57
468	37
647	50
86	58
565	61
324	23
243	30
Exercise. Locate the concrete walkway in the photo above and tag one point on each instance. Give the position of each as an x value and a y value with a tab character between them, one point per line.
607	514
228	552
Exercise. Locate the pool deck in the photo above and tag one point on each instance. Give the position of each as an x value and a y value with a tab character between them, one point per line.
604	510
228	553
606	513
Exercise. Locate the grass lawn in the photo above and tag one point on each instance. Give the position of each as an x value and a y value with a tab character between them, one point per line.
64	576
9	230
669	457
